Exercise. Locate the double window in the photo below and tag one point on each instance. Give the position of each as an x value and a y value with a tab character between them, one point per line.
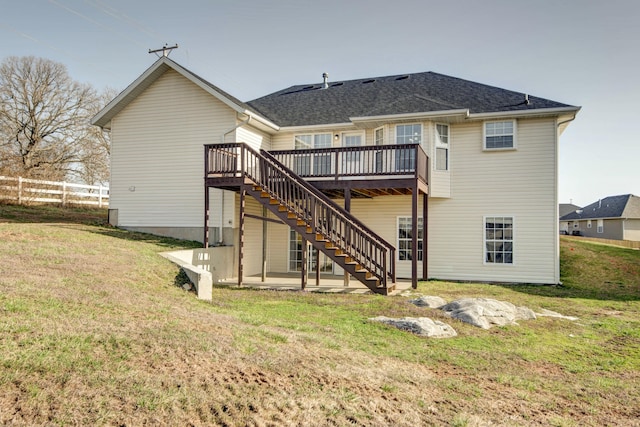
405	238
500	135
317	164
498	240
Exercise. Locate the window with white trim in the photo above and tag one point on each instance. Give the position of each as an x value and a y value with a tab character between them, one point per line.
378	136
405	238
498	240
500	135
442	147
407	134
321	163
600	228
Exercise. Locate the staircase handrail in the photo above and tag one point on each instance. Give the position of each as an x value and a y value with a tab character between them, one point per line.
260	166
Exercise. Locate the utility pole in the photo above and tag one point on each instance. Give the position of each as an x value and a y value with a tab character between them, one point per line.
166	50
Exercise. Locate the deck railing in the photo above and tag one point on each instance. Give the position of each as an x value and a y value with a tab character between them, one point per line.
238	160
352	162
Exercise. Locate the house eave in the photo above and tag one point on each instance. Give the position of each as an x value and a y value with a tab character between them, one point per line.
447	115
540	112
324	126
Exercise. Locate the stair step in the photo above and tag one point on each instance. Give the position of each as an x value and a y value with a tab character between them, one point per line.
257	188
273	202
282	208
320	238
291	215
301	222
264	194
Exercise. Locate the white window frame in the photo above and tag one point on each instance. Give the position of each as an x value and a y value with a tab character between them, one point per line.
503	239
600	228
399	219
395	133
381	129
442	145
513	134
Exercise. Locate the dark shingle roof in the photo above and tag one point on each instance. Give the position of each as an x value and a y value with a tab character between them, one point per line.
410	93
624	206
566	208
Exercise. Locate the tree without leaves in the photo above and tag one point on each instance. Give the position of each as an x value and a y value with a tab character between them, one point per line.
44	120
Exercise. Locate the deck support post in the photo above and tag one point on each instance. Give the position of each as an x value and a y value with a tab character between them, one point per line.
305	261
206	216
317	267
264	244
425	236
414	237
243	196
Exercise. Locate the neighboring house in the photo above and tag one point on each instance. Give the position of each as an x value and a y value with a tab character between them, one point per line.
434	176
614	217
563	209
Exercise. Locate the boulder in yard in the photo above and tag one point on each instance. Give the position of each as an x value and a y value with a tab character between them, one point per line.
485	312
429	301
422	326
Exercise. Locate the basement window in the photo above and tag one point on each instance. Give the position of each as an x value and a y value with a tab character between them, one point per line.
405	238
498	240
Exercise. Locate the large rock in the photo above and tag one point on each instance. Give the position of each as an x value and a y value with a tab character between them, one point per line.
422	326
485	312
429	301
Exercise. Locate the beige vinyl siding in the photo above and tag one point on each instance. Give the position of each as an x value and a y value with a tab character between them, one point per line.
519	183
252	248
256	139
157	151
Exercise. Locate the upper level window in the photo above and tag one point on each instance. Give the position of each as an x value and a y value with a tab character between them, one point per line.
318	164
319	140
379	136
407	134
500	135
442	147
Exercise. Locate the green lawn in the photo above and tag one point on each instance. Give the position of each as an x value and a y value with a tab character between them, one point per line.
96	330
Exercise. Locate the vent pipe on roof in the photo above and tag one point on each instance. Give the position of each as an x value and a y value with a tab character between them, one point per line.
526	99
325	79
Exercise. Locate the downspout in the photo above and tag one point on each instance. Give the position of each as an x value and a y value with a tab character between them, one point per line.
222	139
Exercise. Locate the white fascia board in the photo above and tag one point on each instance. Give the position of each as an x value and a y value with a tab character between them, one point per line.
521	113
464	112
261	119
310	128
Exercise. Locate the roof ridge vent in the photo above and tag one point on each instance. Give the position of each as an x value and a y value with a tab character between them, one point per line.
369	81
405	77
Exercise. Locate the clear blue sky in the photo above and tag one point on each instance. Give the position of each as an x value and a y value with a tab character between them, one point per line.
579	52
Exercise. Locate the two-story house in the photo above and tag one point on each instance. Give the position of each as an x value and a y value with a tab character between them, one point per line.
408	176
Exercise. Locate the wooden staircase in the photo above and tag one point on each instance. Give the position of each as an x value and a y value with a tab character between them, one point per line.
328	227
320	241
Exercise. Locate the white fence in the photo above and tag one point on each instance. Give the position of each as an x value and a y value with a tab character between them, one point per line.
23	191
